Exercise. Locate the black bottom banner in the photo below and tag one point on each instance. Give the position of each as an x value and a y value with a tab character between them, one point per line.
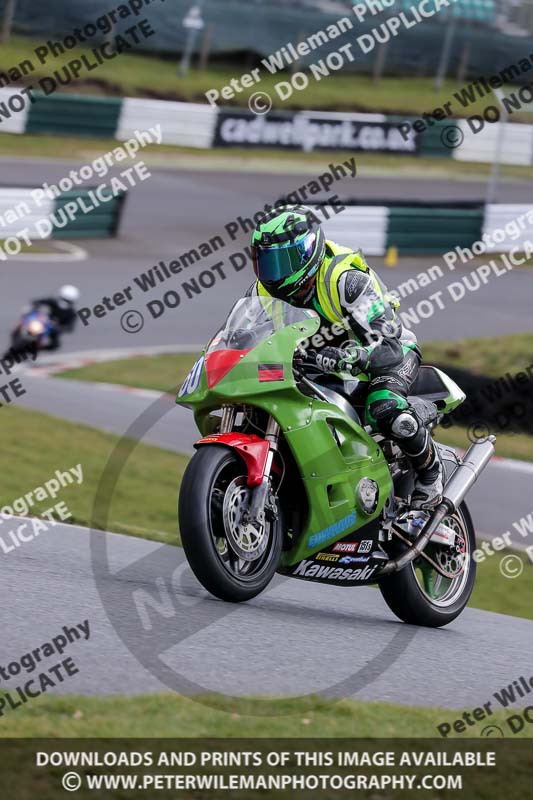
265	768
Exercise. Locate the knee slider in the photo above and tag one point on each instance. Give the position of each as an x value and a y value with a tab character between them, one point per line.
406	425
380	413
383	410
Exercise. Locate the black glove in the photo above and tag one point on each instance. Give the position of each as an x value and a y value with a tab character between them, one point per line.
335	359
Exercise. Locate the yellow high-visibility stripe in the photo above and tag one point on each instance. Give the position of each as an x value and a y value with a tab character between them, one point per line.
328	281
328	277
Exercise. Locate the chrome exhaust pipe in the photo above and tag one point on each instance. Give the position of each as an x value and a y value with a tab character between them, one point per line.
472	465
396	564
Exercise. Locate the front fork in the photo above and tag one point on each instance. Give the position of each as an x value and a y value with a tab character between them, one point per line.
256	512
257	506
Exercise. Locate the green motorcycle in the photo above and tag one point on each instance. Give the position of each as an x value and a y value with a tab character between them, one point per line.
287	477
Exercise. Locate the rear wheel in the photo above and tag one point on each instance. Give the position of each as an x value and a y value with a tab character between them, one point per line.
230	558
418	594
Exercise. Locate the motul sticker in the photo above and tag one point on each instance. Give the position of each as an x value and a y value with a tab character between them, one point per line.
346	547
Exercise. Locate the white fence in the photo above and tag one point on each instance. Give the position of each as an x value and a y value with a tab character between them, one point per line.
516	143
511	225
362	227
185	124
18	210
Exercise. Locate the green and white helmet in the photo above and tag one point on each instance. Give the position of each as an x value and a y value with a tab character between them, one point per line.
288	247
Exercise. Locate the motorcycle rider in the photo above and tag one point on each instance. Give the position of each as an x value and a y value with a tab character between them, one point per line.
61	310
294	262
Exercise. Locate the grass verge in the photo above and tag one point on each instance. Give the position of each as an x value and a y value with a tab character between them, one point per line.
173	716
142	75
35	445
490	356
145	372
508	445
494	592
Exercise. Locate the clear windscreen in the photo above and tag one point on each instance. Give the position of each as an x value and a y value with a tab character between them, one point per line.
253	319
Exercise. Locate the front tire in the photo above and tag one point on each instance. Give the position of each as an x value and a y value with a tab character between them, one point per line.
213	487
406	594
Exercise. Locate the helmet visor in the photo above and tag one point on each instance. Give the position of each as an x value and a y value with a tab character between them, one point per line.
273	264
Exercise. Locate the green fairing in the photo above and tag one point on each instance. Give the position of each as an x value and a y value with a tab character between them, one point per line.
330	468
456	395
330	474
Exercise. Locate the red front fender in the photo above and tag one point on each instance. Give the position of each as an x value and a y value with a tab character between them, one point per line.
252	449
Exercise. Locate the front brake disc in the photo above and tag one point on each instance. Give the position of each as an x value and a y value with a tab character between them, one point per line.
247	542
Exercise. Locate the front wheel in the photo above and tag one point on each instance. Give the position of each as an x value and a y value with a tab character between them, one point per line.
418	594
231	559
18	343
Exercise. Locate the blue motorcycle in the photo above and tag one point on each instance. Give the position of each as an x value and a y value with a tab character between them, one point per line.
34	332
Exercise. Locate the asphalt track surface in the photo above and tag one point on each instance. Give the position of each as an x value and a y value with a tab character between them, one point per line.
295	639
334	633
175	211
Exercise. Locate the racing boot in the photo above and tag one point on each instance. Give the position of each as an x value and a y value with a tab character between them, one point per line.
414	439
429	485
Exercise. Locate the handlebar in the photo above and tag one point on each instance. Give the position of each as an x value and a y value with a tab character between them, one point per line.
305	358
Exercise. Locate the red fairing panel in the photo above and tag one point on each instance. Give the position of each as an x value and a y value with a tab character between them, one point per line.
219	363
251	448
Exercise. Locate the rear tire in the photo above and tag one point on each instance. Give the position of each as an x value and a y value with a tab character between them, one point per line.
206	482
407	599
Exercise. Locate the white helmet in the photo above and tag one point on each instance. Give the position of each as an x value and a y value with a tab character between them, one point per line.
69	293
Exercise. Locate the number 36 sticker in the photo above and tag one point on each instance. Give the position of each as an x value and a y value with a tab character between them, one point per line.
193	378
